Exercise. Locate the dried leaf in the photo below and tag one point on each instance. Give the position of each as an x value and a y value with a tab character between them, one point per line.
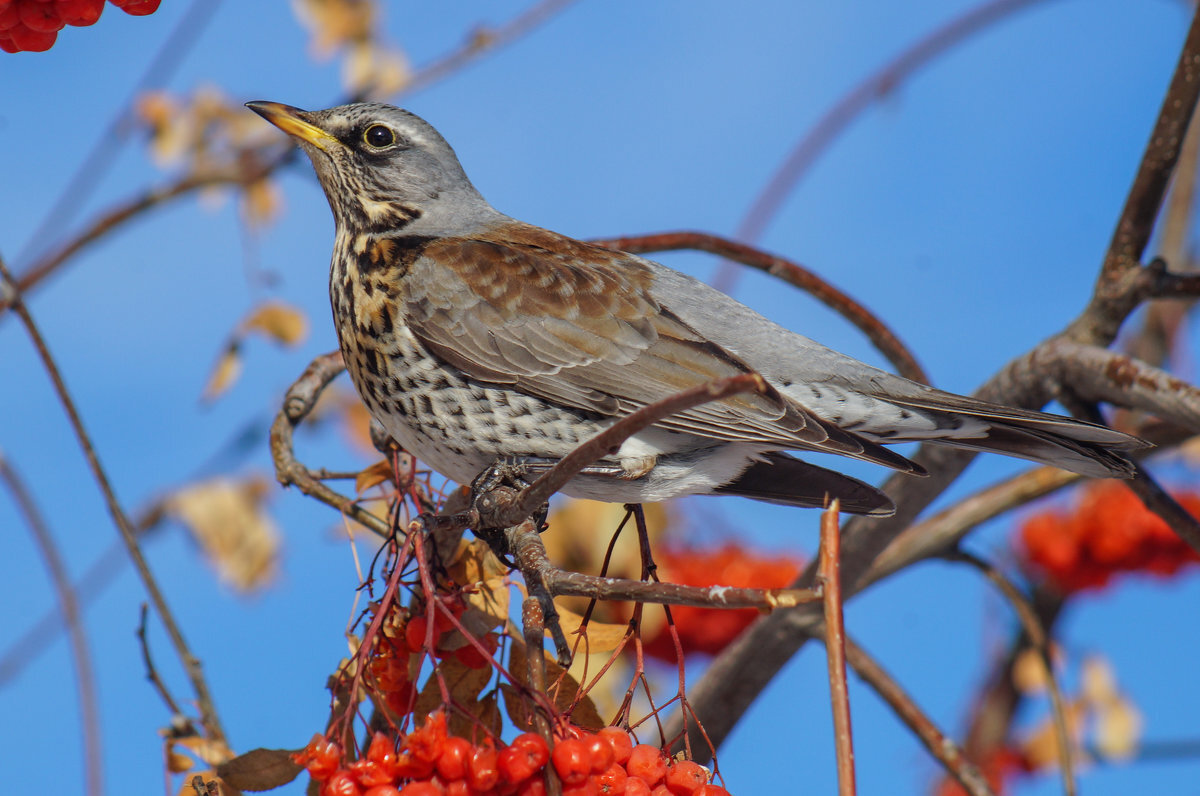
228	520
1097	682
334	23
260	769
1118	730
1040	749
228	368
211	752
1029	672
261	202
278	321
463	683
378	473
177	762
584	714
600	636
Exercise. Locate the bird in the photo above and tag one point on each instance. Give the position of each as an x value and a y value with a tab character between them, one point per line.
474	338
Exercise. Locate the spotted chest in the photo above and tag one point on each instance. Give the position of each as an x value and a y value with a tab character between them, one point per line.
455	424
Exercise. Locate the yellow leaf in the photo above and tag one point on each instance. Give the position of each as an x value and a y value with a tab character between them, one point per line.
1029	672
1097	683
378	473
584	714
1118	730
227	518
228	368
261	202
1040	748
281	322
598	636
178	762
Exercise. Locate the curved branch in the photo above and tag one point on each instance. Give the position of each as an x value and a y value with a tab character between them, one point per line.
883	338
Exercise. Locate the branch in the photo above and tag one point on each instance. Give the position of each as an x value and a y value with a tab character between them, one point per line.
742	670
875	88
10	292
1032	626
883	338
835	649
300	399
68	604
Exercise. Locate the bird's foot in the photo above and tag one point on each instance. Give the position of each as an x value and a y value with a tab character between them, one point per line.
494	492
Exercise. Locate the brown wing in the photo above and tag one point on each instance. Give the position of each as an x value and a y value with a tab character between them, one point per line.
576	324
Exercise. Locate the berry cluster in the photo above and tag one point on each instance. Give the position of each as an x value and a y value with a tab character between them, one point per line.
391	657
1110	532
430	762
709	630
33	25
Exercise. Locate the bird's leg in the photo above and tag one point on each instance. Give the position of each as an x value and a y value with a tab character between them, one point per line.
492	492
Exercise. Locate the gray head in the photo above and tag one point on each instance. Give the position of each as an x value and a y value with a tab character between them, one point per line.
383	169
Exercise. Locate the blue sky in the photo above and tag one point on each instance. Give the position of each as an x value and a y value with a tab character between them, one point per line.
969	209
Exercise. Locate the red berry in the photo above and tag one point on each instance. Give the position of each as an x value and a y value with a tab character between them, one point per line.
612	781
321	757
636	787
426	741
29	40
572	761
452	763
42	17
383	790
409	766
660	790
8	45
647	763
600	753
341	784
532	787
710	790
522	759
137	8
414	633
458	787
684	777
420	789
9	16
80	13
586	788
620	741
482	772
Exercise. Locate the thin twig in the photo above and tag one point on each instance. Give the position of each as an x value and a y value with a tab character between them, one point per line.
68	605
939	745
151	671
128	533
880	335
835	649
1040	640
300	399
100	158
738	675
483	41
874	89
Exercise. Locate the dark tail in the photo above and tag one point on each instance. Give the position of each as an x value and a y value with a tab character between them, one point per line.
792	482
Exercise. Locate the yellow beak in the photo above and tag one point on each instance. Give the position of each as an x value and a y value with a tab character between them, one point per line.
291	121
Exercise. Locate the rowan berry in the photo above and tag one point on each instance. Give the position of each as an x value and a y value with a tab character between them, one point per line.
523	758
452	762
420	789
612	781
647	763
620	741
710	790
341	784
684	777
383	790
482	773
572	761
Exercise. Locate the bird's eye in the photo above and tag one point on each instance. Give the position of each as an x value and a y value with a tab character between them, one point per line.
379	136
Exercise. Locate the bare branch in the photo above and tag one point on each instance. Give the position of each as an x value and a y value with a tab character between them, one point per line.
68	605
128	533
835	649
301	397
1040	639
882	337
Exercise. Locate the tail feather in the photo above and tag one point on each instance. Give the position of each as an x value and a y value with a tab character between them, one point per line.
1086	448
779	478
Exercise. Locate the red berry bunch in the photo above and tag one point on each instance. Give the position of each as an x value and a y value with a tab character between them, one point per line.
391	664
1110	532
709	630
430	762
33	25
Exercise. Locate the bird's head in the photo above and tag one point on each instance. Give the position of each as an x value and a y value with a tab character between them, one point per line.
383	169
